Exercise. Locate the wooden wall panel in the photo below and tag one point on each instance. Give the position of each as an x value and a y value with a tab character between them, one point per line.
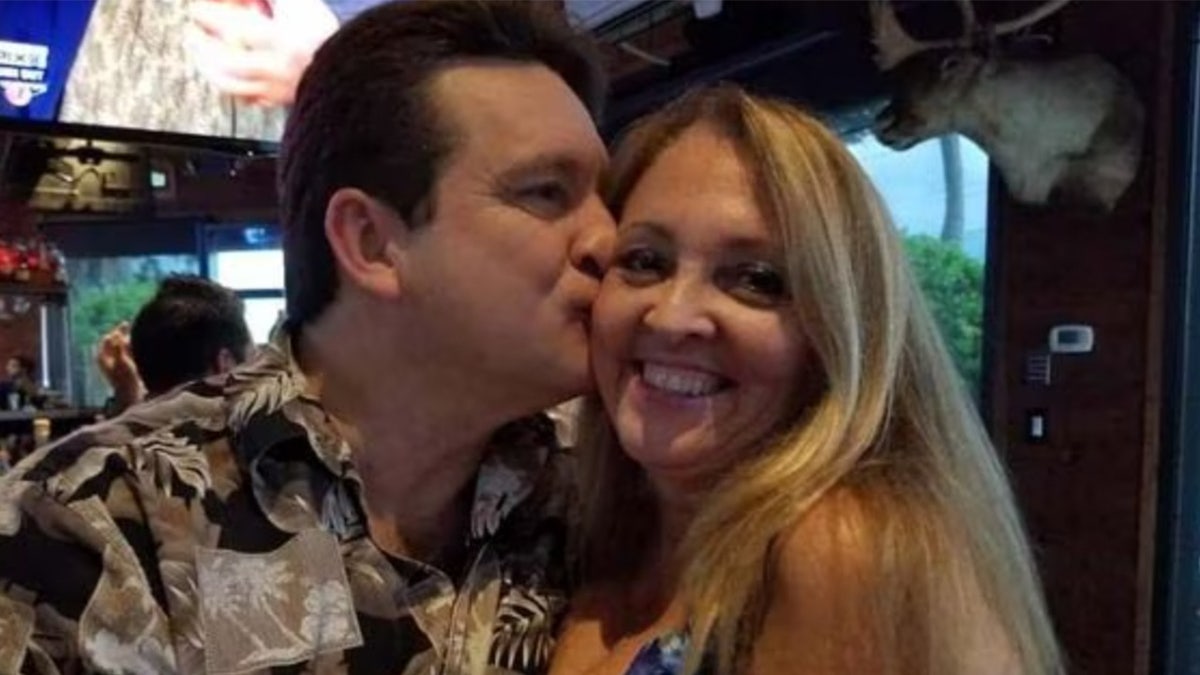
20	334
1088	490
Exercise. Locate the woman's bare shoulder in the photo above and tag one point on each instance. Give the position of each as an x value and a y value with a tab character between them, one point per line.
838	575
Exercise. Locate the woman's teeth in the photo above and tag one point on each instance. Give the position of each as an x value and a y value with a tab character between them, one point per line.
681	381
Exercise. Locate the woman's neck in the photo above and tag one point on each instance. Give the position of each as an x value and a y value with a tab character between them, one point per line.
676	503
651	588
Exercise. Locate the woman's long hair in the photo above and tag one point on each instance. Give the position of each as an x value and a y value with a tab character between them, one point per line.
890	423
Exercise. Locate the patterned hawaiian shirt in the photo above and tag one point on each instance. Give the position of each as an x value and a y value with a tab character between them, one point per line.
220	530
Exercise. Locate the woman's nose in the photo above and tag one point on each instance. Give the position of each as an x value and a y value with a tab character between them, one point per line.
680	311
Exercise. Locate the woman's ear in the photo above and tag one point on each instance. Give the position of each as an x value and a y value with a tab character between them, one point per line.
365	236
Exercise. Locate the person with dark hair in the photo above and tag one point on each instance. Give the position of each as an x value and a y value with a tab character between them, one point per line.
377	491
190	329
19	386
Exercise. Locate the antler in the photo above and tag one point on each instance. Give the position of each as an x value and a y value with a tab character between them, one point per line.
967	9
893	44
1006	27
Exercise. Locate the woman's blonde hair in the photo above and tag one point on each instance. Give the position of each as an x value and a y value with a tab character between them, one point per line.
891	424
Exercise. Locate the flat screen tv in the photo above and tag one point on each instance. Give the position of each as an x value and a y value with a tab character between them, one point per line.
201	68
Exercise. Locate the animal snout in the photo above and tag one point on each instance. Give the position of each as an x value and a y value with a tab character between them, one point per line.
896	130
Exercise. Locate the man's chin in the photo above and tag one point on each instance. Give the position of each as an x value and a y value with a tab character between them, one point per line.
575	382
580	386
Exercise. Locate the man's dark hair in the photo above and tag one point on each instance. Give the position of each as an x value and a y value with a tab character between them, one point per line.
177	336
362	116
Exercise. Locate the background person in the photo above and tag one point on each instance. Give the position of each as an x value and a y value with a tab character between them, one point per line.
20	388
192	328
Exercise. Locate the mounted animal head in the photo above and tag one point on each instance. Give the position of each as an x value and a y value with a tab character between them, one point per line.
1067	127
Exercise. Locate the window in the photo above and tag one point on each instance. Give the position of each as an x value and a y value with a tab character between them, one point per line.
937	194
105	291
250	270
261	316
249	259
109	288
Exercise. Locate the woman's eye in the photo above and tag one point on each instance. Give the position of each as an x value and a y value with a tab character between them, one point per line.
761	282
641	264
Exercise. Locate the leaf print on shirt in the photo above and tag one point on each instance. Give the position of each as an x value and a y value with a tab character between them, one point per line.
16	626
523	635
12	492
276	476
237	587
269	609
326	607
506	478
205	412
110	654
122	630
171	456
254	393
88	465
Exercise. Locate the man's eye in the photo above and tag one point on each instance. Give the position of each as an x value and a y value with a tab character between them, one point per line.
759	283
642	264
550	196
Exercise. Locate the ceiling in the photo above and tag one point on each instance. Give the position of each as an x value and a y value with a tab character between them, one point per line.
815	52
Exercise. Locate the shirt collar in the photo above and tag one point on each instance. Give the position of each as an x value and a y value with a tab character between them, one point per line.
301	467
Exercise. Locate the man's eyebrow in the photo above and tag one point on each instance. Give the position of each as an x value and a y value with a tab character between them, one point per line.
550	162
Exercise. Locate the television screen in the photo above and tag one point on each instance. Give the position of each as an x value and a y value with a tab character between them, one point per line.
223	68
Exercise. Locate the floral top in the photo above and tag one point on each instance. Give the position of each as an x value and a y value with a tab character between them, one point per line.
220	530
665	654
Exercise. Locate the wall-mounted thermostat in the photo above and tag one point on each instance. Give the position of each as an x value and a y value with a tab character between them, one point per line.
1072	339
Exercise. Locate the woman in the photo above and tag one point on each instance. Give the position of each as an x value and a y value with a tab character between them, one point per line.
784	473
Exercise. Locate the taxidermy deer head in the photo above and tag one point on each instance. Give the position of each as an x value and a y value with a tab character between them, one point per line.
1066	127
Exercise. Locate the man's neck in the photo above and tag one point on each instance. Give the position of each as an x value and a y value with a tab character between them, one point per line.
416	448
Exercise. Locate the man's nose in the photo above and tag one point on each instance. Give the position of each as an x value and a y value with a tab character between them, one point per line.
592	250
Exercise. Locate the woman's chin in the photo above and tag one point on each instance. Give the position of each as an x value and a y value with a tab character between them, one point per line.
676	454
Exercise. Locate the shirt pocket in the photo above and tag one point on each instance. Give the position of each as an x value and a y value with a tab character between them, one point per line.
260	610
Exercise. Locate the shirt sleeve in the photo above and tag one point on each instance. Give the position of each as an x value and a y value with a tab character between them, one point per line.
74	594
46	579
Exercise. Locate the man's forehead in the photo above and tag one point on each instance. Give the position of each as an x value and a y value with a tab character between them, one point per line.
524	111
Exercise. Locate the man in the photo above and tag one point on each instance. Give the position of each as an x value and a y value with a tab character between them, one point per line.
345	503
191	328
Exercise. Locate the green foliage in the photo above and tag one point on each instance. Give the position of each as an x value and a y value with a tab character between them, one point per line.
94	311
953	285
97	309
104	292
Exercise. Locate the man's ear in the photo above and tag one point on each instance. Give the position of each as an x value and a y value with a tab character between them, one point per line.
225	361
363	234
